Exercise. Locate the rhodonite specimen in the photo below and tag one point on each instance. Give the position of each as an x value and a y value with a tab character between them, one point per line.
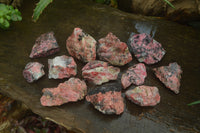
114	51
99	72
62	67
134	75
44	45
144	95
70	91
33	71
170	76
145	48
107	99
81	45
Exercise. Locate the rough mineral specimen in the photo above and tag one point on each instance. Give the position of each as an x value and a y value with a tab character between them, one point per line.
33	71
170	76
62	67
45	45
114	51
144	95
134	75
145	48
99	72
70	91
81	45
107	99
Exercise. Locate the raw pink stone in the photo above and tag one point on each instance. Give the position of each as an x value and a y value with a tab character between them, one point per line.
81	45
33	71
70	91
99	72
94	64
146	49
144	95
45	45
170	76
114	51
107	100
62	67
134	75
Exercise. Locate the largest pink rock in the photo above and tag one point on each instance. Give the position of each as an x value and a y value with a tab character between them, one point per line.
99	72
146	49
70	91
114	51
170	76
144	95
45	45
81	45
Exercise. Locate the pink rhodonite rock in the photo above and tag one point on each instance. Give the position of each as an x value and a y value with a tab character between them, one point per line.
70	91
146	49
62	67
170	76
107	100
114	51
99	72
134	75
144	95
45	45
33	71
81	45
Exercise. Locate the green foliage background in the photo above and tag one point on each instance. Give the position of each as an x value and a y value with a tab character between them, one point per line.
8	14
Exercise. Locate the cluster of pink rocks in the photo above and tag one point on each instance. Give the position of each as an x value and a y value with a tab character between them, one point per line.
107	98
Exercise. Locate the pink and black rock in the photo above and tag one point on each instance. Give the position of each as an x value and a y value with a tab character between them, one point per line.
107	99
70	91
134	75
81	45
99	72
33	71
114	51
62	67
144	95
145	48
45	45
170	76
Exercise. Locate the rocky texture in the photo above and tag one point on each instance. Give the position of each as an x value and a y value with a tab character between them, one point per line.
70	91
62	67
185	10
170	76
44	45
81	45
33	71
99	72
134	75
144	95
114	51
145	48
107	99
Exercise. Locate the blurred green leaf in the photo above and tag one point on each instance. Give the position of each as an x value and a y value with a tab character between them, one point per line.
8	17
193	103
6	23
1	20
8	13
39	8
169	3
